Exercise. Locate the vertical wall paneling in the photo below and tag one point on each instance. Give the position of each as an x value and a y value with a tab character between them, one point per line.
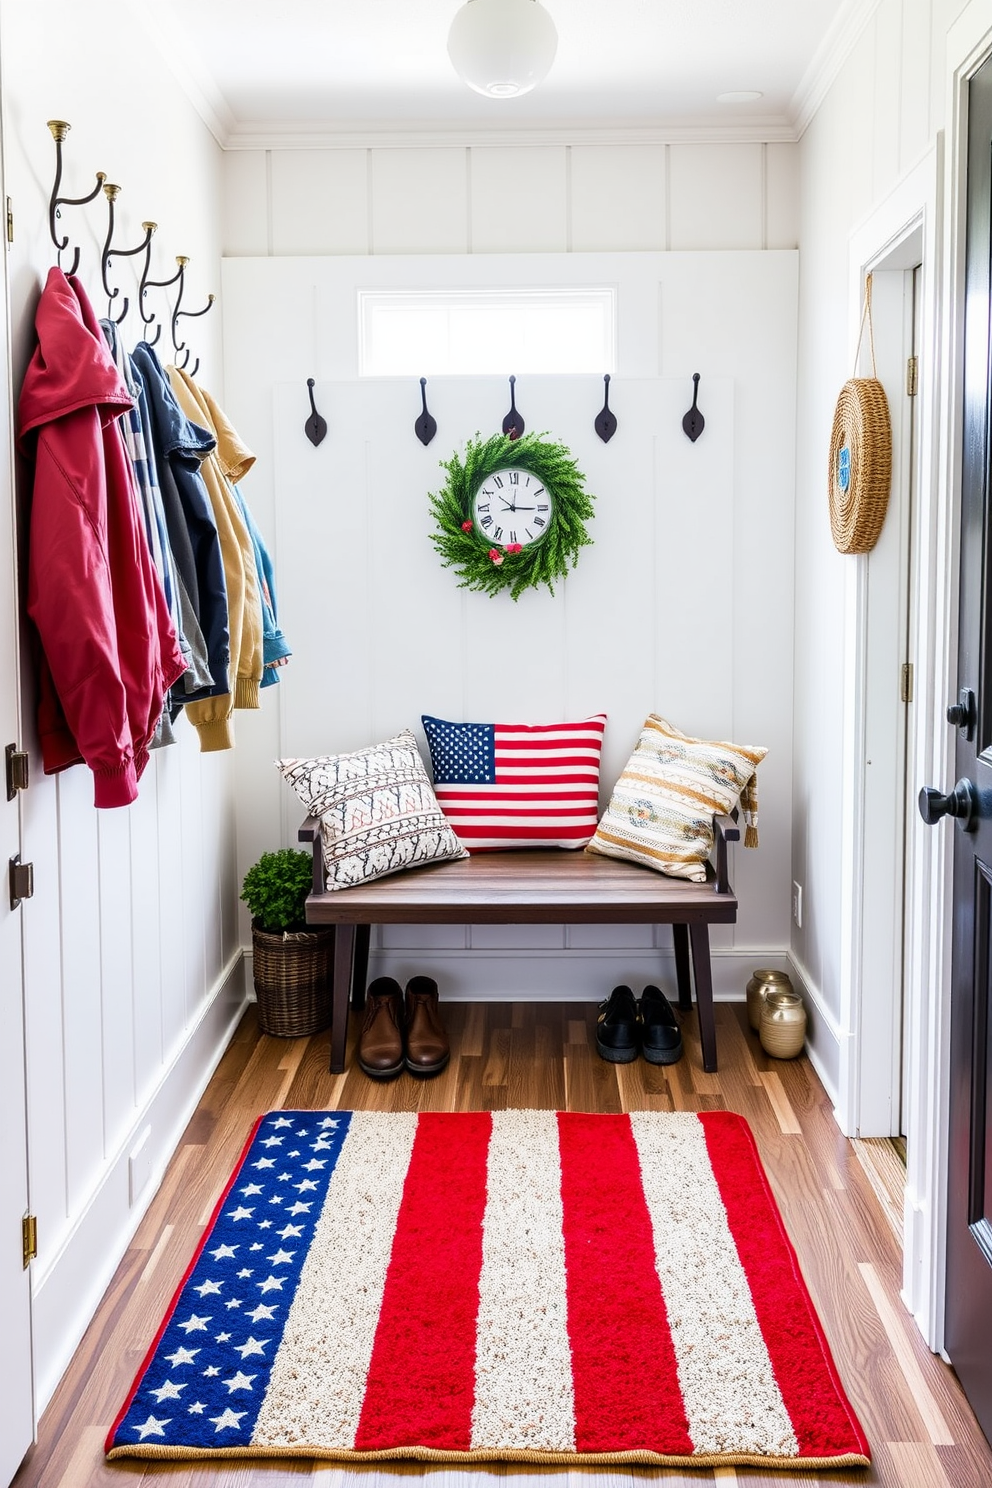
82	974
173	851
618	197
518	199
914	97
128	997
781	196
419	201
197	904
702	175
117	982
150	929
649	620
245	203
319	201
45	1037
888	27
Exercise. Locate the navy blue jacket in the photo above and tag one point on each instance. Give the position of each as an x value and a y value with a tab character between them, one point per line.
180	445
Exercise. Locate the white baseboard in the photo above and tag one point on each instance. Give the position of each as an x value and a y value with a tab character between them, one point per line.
68	1285
562	976
824	1039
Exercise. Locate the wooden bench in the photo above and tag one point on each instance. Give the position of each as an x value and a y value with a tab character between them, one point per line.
525	888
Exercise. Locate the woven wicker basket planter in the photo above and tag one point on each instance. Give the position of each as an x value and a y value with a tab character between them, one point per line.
860	465
292	975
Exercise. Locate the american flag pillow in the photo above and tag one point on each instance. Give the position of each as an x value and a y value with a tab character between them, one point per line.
506	785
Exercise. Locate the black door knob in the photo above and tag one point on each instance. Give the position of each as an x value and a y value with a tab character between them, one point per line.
962	804
962	714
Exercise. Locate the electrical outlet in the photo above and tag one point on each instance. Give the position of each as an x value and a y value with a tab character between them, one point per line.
797	903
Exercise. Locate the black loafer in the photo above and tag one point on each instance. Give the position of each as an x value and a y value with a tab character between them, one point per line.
661	1036
616	1029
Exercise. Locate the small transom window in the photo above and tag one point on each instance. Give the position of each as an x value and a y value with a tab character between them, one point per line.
409	333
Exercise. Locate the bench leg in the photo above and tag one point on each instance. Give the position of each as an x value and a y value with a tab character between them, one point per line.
680	935
360	976
700	937
344	957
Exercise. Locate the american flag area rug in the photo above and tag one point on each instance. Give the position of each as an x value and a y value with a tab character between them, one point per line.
495	1286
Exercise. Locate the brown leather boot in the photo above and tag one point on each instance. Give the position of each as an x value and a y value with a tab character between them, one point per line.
380	1043
427	1049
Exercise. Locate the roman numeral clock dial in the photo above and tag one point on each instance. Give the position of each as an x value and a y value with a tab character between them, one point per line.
512	514
512	506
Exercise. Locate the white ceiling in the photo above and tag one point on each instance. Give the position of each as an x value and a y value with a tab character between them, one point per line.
292	68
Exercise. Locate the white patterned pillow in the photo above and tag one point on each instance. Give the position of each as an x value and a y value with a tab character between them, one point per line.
662	808
378	813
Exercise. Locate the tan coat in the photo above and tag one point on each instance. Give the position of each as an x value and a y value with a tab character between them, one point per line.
212	716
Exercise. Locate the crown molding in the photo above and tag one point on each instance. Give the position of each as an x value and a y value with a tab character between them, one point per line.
165	32
392	136
837	45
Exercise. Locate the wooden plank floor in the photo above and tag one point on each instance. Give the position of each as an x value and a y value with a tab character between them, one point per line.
511	1055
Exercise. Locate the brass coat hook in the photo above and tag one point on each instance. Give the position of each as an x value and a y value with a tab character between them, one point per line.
112	192
60	129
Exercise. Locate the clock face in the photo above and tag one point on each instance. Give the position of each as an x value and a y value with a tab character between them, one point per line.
512	506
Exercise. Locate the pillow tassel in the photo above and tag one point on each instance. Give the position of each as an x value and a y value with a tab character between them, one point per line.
749	806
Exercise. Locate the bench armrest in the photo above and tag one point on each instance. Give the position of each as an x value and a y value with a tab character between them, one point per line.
725	829
310	832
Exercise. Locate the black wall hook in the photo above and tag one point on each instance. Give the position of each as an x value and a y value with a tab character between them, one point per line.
177	314
606	420
147	284
315	427
513	424
693	423
426	426
59	129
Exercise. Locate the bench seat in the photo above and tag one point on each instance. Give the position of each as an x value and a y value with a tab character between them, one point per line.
536	886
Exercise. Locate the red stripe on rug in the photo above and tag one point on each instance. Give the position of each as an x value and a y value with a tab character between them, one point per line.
822	1417
627	1393
421	1381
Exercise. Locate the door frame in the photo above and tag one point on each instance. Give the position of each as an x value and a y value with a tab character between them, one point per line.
906	229
933	195
880	590
969	45
18	1411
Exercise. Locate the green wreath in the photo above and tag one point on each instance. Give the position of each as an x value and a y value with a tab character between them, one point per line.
478	558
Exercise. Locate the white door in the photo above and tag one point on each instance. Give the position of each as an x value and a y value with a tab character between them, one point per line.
16	1409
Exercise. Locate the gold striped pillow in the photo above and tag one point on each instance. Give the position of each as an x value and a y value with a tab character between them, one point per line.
662	808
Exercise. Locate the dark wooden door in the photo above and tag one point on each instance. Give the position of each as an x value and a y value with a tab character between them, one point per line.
968	1338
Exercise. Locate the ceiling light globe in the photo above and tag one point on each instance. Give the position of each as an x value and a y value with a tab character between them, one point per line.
502	48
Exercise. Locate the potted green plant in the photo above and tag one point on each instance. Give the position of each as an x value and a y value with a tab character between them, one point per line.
291	962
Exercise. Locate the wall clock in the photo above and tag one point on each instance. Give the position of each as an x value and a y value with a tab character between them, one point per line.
512	514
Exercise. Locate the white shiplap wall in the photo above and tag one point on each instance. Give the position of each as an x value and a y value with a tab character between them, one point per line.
510	199
503	200
682	605
133	969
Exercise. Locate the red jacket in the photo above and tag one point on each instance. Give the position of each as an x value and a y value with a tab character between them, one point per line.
110	649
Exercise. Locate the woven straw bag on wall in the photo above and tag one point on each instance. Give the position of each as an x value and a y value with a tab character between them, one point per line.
860	473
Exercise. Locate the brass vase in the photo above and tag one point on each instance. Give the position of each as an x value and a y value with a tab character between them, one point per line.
783	1024
760	983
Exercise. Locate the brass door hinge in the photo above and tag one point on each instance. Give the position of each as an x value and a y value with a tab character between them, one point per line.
29	1238
10	220
912	376
17	770
21	880
906	682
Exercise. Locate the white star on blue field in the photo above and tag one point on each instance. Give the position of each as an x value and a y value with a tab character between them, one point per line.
206	1379
461	753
